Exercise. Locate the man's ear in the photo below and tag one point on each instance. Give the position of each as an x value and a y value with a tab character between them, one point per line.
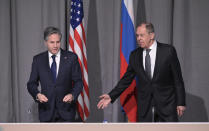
152	35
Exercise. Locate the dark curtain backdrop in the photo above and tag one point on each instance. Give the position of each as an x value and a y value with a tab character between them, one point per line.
182	23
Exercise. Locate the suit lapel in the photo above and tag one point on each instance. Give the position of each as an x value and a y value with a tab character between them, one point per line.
157	61
63	58
140	63
47	66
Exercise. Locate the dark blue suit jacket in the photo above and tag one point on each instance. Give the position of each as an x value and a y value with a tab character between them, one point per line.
69	80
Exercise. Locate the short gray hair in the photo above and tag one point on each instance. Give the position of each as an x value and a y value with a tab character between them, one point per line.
149	27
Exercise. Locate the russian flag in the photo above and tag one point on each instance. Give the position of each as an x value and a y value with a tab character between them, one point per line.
127	44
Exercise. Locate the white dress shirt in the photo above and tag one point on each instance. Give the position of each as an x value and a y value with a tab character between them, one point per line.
57	59
152	54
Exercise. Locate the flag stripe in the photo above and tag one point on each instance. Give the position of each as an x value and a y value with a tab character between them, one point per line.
84	82
129	8
85	106
83	34
79	31
127	44
77	44
80	108
128	30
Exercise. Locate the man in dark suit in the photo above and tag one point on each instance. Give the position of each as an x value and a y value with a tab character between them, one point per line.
160	90
59	75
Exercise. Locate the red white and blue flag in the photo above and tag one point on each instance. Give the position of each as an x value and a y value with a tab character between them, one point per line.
77	44
127	44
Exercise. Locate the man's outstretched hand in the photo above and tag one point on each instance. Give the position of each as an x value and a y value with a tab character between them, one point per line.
105	100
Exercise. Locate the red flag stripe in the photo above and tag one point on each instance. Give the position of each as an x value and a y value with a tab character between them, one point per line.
86	91
71	47
80	110
85	87
84	81
79	42
78	52
80	30
83	33
85	107
127	44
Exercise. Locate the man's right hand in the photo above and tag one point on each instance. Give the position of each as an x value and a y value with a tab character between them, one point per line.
105	100
42	98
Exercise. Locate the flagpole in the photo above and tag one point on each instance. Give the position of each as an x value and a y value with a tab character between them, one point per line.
66	24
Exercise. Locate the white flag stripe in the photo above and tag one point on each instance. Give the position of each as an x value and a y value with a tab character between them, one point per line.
80	99
79	47
79	30
72	33
84	46
70	49
86	99
78	52
129	7
83	42
72	36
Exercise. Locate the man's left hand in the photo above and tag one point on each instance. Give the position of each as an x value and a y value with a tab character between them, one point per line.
180	110
68	98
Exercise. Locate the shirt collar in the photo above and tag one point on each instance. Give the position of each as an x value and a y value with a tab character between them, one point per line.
153	46
57	55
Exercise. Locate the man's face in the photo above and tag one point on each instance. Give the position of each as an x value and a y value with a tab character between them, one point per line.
53	43
144	39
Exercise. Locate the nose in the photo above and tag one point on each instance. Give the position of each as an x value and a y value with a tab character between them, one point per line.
138	38
55	45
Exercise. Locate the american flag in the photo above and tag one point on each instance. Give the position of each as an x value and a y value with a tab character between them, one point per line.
77	44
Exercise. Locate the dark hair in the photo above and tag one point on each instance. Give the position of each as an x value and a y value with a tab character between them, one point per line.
149	27
51	30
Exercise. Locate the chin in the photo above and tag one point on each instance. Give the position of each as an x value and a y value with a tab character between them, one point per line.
54	52
141	46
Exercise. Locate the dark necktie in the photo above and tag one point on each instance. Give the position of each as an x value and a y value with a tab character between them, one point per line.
54	68
148	63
